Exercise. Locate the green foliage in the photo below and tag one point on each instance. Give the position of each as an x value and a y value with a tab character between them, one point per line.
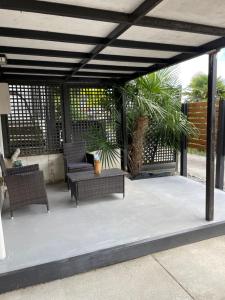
197	91
97	138
158	96
106	150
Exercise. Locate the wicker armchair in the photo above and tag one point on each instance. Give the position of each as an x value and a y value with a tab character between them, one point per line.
25	185
76	159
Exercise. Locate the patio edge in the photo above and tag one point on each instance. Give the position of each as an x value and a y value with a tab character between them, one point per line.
86	262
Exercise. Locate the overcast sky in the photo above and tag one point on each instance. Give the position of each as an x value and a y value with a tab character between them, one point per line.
189	68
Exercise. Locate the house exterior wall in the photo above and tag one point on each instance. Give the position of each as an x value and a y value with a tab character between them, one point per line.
52	166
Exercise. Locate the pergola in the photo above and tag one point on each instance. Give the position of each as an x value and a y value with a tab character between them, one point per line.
106	43
99	43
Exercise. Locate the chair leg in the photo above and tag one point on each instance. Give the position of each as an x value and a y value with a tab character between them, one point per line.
11	213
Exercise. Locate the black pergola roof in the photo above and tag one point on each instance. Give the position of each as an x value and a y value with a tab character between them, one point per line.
95	41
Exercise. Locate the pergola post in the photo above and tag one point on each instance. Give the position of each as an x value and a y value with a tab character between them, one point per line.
66	115
122	128
124	151
183	146
210	151
220	148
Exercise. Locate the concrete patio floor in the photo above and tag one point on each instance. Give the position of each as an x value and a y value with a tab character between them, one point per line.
152	209
195	271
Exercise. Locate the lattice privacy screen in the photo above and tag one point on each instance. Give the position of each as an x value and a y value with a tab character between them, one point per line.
154	152
34	124
93	113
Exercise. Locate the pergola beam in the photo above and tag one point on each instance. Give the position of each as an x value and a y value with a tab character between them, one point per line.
153	46
58	79
65	10
72	11
90	40
61	72
38	63
175	25
71	54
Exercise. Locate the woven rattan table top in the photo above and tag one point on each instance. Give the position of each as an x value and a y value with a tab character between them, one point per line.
88	175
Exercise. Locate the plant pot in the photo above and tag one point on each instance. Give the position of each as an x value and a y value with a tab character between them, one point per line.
97	167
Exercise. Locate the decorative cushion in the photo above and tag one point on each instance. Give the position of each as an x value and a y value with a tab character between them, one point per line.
82	166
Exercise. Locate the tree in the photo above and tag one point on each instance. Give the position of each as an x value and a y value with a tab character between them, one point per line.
154	99
197	91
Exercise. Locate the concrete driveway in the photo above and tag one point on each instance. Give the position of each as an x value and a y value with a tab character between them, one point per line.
195	271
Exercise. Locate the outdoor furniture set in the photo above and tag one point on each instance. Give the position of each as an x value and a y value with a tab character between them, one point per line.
25	185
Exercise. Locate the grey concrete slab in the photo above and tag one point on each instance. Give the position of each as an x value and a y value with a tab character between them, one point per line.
196	166
198	267
151	208
140	279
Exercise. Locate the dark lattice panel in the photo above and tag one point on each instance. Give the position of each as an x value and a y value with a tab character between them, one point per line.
161	155
154	152
34	124
92	110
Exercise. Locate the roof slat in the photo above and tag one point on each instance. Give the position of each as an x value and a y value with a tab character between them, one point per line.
69	54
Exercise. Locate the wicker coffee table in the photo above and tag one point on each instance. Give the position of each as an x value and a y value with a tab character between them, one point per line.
88	185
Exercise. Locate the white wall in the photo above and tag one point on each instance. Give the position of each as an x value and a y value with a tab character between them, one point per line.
52	166
2	243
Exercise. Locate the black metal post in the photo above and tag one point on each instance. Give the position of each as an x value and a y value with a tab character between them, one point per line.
124	158
210	151
122	128
67	130
183	146
220	148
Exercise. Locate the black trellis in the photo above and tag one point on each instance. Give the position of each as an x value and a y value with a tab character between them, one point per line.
92	110
34	124
43	116
154	151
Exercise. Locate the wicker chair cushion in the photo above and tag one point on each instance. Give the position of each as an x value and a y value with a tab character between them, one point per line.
80	166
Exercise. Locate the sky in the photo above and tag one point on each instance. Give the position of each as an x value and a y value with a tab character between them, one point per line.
188	69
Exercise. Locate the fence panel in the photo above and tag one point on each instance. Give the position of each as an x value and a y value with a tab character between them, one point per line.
197	114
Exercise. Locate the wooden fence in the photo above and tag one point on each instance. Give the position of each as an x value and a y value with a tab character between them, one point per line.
197	114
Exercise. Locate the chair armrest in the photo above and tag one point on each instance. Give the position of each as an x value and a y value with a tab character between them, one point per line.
22	170
90	158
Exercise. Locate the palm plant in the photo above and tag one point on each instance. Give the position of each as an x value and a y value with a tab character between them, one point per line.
105	149
101	139
197	91
154	99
